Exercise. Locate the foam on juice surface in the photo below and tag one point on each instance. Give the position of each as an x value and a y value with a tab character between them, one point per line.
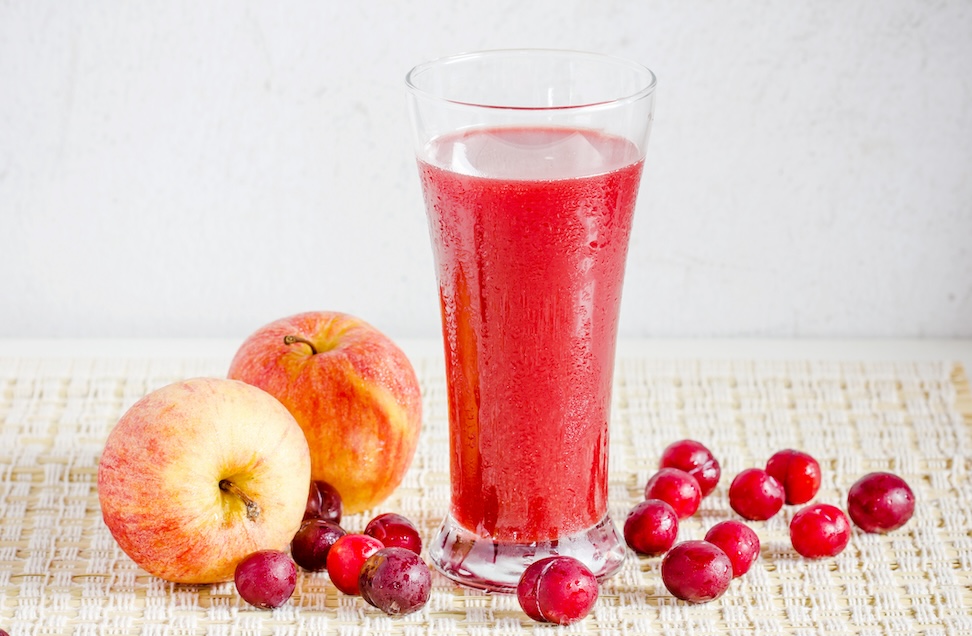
532	154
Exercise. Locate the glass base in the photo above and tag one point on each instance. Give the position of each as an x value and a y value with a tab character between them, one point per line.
479	562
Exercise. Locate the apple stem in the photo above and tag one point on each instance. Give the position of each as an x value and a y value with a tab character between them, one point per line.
252	507
289	340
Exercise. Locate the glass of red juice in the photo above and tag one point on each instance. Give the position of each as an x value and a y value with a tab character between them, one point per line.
530	162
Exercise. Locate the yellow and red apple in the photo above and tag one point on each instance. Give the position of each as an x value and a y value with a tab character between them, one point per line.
199	474
353	392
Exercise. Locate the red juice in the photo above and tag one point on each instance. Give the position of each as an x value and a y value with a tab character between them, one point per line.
530	231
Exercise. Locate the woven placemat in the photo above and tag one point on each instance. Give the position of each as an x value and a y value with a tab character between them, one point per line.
61	572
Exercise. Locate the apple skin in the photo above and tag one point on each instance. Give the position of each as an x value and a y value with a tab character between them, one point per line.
357	399
178	467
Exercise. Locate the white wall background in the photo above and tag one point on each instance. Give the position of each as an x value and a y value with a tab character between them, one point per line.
193	168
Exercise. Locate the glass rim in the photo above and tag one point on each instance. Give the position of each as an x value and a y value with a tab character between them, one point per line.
644	91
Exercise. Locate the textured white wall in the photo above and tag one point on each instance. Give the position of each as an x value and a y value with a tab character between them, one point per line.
195	168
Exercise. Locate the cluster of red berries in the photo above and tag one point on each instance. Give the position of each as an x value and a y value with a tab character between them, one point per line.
700	571
381	564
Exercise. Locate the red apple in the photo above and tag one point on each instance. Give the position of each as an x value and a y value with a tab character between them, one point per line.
351	389
199	474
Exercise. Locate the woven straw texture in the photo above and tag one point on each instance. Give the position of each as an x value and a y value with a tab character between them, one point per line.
61	572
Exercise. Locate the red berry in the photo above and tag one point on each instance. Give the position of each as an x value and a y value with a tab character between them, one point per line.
396	581
880	502
755	495
797	472
557	589
346	558
696	571
323	502
696	460
738	541
819	530
313	542
677	488
394	530
266	578
651	527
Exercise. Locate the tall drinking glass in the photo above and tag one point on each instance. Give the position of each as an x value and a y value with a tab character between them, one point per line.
530	162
